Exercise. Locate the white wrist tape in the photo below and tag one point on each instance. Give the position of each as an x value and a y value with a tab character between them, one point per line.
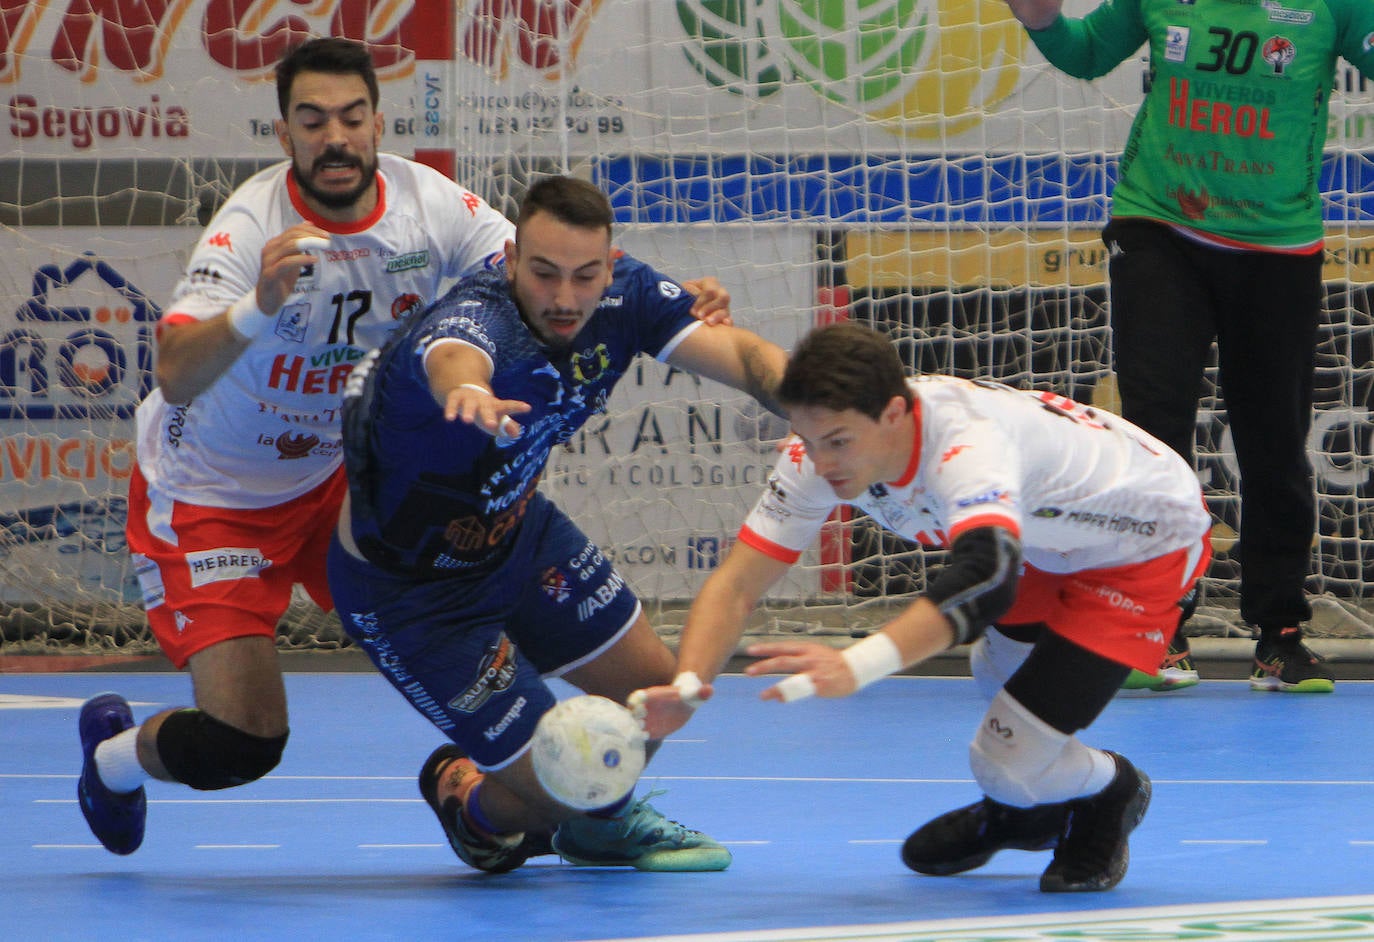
688	686
872	658
247	319
477	387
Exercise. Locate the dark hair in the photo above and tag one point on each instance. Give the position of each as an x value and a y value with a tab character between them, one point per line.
331	55
844	366
569	200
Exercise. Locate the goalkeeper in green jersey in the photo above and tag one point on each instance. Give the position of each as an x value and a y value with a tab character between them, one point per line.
1216	234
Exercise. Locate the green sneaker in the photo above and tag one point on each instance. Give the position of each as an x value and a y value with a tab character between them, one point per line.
1175	673
640	837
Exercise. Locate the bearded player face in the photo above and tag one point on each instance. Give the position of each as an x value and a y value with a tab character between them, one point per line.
331	134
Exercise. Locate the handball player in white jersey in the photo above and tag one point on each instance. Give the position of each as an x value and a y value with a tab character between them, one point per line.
1074	540
238	482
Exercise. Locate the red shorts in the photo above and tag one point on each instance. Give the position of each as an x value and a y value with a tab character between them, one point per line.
1124	613
209	574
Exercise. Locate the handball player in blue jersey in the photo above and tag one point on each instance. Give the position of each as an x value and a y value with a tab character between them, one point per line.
462	581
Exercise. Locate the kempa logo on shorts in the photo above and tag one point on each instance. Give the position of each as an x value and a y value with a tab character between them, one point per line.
492	733
225	564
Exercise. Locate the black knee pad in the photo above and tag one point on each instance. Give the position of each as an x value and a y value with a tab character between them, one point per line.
209	754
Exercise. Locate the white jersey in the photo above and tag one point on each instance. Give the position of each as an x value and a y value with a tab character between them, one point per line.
268	429
1083	489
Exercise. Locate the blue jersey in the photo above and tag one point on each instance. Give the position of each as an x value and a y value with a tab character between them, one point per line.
432	497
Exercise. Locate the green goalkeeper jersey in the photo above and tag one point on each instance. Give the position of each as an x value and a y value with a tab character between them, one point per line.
1229	138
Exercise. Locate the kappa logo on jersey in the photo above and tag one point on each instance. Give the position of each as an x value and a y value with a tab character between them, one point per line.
495	673
952	452
473	202
220	240
796	451
183	621
225	564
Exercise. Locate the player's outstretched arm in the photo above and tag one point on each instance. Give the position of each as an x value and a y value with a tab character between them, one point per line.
714	625
919	632
736	357
191	355
459	379
1035	14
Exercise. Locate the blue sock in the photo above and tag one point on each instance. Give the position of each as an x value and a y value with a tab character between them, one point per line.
477	817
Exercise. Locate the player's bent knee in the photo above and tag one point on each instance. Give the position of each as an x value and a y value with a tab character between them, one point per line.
1020	760
209	754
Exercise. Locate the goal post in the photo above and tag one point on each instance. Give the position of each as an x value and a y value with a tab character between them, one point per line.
910	164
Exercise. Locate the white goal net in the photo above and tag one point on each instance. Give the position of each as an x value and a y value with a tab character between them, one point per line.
911	164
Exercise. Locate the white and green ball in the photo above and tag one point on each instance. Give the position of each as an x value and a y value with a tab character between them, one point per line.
588	752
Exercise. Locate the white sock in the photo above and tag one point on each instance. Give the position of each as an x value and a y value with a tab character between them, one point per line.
116	761
1103	771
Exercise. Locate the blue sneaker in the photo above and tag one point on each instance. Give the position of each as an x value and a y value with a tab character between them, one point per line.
116	819
640	837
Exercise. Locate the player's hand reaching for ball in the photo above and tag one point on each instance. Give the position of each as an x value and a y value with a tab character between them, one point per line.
666	709
816	669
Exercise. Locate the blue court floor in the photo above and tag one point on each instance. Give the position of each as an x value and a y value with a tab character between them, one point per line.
1262	826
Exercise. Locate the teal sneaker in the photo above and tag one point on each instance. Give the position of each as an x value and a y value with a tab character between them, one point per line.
1175	673
640	837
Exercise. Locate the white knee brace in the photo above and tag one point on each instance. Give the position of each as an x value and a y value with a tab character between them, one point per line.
1019	759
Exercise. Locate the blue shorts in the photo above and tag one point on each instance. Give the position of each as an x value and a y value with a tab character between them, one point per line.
471	653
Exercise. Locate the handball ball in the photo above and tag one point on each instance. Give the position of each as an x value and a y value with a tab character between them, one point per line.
588	752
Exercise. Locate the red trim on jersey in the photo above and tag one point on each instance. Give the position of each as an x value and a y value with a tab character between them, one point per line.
915	461
767	547
984	520
1221	242
293	189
